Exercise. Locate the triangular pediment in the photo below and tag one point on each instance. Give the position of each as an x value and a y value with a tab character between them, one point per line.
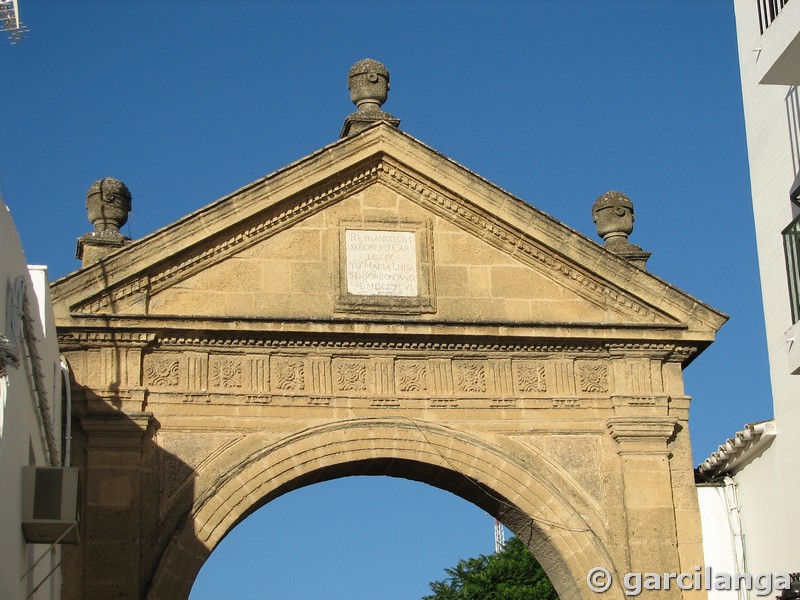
380	228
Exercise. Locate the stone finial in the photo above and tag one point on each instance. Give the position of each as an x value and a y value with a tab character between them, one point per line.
613	214
108	202
368	82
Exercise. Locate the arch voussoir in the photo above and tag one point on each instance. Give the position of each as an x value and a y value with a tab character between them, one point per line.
455	461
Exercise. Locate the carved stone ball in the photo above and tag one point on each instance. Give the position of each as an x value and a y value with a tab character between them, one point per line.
108	202
612	213
368	82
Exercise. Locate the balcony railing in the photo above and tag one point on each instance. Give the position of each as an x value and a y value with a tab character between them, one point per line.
767	12
791	248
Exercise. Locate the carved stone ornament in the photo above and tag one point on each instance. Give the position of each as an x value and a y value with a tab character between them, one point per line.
162	372
613	215
593	378
290	375
352	376
531	378
412	377
368	82
227	373
471	377
108	202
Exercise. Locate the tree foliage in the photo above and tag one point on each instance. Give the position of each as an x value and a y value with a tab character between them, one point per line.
512	574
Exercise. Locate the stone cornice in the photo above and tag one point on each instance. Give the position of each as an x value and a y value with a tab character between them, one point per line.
78	339
466	341
642	435
116	429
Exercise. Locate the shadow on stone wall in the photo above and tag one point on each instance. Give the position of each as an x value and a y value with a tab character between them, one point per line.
123	487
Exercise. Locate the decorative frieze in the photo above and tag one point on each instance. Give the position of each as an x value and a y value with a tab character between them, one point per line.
384	378
72	340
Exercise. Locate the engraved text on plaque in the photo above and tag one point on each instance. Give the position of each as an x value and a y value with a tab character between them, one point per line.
381	263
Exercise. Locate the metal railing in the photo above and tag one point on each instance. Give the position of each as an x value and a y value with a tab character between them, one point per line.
791	249
767	12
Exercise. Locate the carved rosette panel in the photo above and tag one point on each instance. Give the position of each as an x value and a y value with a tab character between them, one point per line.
226	372
162	371
412	376
289	374
471	376
530	377
592	377
351	375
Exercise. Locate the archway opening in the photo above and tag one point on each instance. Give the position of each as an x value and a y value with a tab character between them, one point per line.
356	537
485	475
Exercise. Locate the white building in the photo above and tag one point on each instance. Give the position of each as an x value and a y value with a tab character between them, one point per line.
753	523
31	423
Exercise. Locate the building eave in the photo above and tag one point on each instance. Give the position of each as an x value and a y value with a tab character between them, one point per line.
739	450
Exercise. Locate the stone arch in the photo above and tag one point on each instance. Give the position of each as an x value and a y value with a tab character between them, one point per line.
523	491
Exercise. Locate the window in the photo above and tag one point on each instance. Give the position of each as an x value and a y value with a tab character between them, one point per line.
791	249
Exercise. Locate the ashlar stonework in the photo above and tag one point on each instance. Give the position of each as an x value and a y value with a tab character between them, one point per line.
232	357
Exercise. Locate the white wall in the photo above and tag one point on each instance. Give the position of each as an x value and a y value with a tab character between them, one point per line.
769	487
21	438
718	535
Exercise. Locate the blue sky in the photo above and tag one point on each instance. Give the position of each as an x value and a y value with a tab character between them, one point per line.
557	102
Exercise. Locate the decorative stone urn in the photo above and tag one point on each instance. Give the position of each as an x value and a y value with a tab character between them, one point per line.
108	202
613	215
368	82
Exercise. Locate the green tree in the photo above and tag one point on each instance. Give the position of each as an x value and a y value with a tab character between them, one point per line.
512	574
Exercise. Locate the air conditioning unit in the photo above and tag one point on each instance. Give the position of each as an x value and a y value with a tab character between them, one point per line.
50	505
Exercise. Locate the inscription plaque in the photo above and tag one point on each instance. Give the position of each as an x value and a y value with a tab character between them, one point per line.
381	263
